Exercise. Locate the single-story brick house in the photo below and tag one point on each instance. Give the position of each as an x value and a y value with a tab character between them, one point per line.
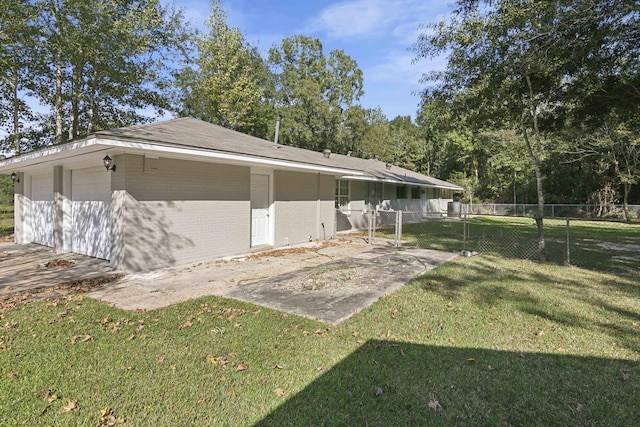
184	190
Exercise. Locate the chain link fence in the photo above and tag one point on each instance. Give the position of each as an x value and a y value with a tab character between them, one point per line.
597	244
609	211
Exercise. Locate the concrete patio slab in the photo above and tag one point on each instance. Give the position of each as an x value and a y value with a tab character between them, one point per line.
329	281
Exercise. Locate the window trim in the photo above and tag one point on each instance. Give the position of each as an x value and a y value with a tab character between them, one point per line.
340	196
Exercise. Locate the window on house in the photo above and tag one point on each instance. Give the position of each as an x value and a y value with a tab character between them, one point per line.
415	193
401	192
342	194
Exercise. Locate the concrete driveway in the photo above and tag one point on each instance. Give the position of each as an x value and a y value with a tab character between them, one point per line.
36	269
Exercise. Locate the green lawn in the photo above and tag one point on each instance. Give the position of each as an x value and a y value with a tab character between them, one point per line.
6	219
479	341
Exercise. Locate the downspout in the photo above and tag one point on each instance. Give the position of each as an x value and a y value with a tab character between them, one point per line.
318	212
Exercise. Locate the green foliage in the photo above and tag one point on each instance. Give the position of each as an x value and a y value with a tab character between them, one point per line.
6	189
95	64
548	73
229	84
312	92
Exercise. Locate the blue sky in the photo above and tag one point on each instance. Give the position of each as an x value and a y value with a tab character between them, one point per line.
376	33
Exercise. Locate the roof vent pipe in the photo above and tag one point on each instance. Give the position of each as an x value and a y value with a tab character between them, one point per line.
326	153
348	153
388	165
275	139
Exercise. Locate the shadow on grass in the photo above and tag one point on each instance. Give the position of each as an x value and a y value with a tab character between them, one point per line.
388	383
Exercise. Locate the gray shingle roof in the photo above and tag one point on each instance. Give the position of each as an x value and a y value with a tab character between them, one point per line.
190	132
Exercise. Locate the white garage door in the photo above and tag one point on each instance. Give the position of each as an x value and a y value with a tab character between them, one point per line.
90	212
42	209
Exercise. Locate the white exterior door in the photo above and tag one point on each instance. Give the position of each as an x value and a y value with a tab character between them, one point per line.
90	212
259	210
41	210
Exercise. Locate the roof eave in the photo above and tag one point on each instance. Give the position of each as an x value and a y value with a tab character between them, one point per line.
403	182
144	145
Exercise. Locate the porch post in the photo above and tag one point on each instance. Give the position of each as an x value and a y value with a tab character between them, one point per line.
58	210
19	210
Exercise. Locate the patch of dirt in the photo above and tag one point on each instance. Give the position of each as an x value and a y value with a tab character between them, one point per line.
75	287
343	276
7	239
298	250
58	262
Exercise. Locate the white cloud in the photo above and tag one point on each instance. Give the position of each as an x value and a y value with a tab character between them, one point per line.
354	18
364	18
400	67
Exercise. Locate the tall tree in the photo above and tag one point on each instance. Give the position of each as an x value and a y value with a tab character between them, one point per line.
313	91
18	34
516	64
229	83
100	63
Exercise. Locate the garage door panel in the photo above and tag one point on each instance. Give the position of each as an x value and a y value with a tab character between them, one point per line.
42	222
90	212
91	232
41	209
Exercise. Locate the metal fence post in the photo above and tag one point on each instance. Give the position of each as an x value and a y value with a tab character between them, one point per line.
398	229
568	253
464	232
375	220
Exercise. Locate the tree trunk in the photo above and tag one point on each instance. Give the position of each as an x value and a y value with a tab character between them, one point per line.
625	201
535	156
16	116
540	210
58	100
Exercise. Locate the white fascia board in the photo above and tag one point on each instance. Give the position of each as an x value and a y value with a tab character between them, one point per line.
223	156
50	151
396	181
107	142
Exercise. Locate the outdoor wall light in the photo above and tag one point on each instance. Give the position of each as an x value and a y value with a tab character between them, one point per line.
14	177
108	164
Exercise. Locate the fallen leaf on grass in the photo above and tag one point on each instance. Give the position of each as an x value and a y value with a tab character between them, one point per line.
434	405
69	407
12	374
378	391
108	419
320	368
241	367
624	373
278	366
81	338
220	360
186	324
159	359
279	392
577	406
201	400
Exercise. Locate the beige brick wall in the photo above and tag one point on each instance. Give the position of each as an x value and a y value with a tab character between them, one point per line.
303	202
183	212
